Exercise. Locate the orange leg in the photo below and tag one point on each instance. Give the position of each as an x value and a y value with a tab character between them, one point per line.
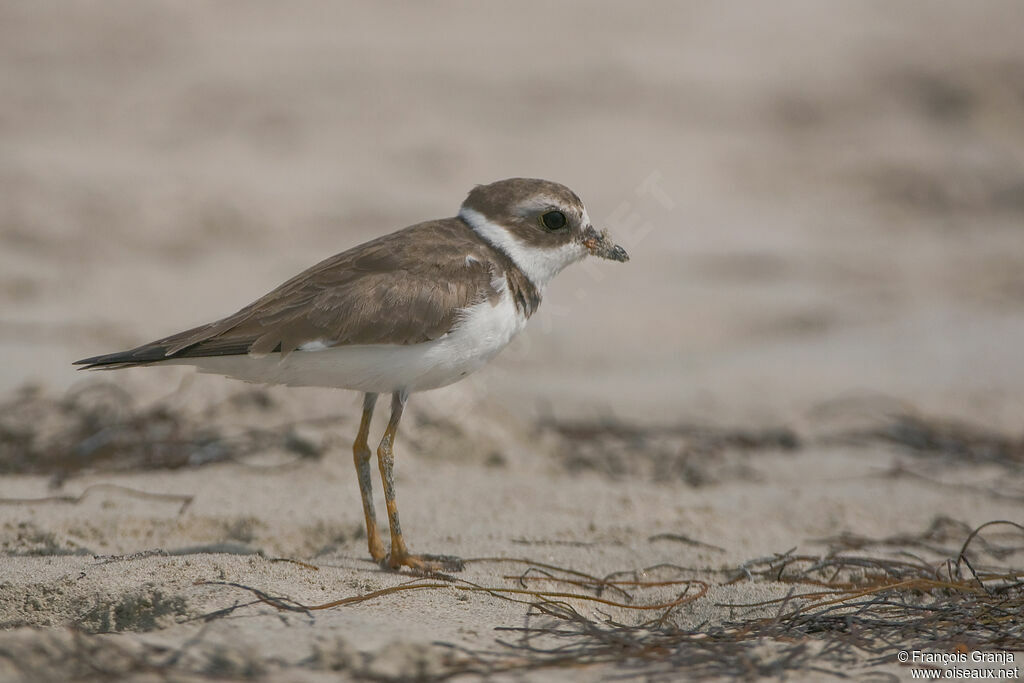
400	556
361	457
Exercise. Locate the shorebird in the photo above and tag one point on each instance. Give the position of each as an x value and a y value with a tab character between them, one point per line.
417	309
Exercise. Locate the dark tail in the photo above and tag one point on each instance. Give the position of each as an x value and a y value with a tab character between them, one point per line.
159	350
142	355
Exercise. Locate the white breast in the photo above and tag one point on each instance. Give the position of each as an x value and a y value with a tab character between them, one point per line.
483	331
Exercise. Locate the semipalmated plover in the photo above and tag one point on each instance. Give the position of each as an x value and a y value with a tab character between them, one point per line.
418	309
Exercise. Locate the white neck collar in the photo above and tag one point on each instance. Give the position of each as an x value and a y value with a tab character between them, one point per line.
538	264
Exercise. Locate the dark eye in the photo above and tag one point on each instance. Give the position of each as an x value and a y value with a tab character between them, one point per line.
553	220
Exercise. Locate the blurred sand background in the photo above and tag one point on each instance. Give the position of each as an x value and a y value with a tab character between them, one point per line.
824	206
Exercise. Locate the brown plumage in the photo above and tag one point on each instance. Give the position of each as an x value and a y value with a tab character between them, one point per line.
380	292
407	312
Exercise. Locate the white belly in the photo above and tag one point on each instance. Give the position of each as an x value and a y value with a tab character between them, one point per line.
380	368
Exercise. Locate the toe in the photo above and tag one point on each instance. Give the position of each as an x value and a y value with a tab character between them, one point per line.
425	563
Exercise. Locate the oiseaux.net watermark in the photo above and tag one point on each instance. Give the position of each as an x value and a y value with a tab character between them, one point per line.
977	665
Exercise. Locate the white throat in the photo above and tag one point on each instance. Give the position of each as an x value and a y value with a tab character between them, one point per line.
538	264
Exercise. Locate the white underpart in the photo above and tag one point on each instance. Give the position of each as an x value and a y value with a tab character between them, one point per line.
483	331
539	264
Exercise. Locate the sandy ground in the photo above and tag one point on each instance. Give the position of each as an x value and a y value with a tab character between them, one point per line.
824	206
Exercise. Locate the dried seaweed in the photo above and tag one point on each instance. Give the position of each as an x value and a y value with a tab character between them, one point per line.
695	454
851	607
844	611
952	441
74	655
701	454
844	615
569	588
100	427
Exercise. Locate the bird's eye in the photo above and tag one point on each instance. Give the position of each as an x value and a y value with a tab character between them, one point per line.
553	220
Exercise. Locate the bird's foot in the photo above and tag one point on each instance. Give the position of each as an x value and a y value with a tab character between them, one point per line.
377	551
427	564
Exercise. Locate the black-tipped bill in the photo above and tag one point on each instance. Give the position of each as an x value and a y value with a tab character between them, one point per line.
601	244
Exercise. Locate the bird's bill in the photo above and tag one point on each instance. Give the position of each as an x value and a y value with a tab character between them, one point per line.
601	244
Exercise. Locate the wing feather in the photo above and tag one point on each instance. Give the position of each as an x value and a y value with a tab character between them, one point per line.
404	288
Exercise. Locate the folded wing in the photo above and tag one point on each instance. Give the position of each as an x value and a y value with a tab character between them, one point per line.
404	288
